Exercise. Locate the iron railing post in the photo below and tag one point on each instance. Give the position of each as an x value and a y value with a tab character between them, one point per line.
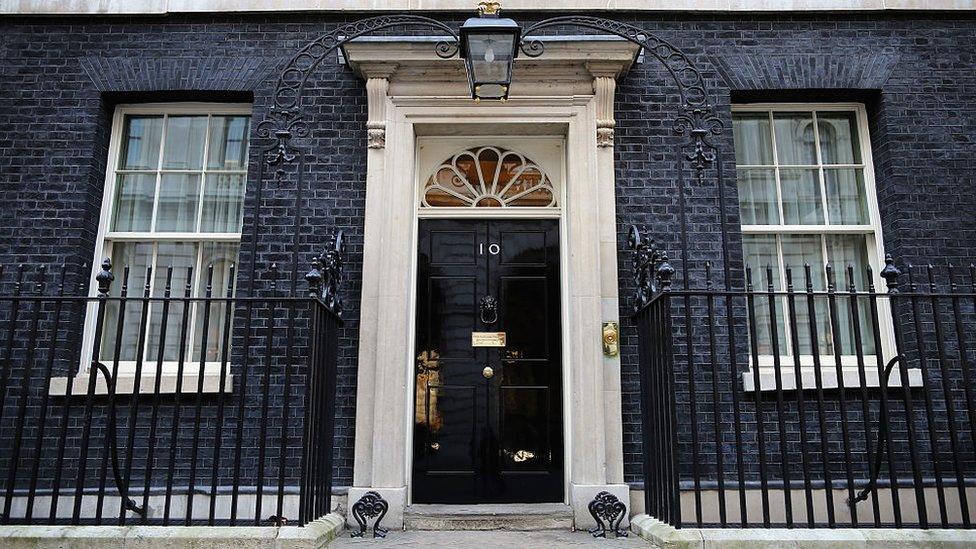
104	279
664	275
18	433
890	274
306	488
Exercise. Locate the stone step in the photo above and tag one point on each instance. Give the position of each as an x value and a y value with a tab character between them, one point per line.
515	516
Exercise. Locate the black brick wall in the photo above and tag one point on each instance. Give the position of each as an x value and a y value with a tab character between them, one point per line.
59	81
915	77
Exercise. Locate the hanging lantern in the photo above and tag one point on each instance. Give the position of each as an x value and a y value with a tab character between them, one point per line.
489	45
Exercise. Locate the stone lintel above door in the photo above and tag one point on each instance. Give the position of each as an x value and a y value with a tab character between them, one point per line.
571	66
564	68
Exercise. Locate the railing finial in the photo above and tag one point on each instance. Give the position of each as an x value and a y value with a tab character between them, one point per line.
105	277
890	274
314	279
664	273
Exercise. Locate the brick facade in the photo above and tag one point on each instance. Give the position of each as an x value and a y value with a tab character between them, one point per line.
59	81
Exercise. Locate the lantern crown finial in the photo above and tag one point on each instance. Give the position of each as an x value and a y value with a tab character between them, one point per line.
489	8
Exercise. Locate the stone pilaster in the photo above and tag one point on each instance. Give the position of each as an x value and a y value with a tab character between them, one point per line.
604	89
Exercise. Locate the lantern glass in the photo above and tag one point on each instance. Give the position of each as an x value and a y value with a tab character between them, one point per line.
490	57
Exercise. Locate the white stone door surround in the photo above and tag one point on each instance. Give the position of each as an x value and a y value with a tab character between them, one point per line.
413	95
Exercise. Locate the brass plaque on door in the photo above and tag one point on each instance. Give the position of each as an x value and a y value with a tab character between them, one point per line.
487	339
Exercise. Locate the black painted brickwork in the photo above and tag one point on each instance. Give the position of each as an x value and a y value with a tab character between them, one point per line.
59	80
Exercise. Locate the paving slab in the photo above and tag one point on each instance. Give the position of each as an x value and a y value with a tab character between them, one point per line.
464	539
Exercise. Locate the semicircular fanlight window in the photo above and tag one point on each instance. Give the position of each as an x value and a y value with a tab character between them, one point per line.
488	177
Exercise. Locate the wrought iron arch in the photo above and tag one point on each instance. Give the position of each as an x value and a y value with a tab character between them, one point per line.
285	120
685	74
697	120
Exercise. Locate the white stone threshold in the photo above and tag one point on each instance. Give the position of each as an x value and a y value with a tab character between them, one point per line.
665	536
315	535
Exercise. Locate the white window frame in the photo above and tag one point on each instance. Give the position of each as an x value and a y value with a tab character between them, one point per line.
103	248
875	253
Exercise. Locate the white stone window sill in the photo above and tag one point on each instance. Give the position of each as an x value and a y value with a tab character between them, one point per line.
147	384
828	378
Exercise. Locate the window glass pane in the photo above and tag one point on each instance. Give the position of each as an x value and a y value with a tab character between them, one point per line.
752	138
228	142
179	194
799	251
795	143
838	138
844	250
801	197
134	202
757	197
140	143
846	199
759	252
849	249
222	255
185	136
180	256
137	256
223	203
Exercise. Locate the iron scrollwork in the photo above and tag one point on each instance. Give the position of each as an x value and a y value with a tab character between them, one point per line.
282	125
369	506
325	277
651	269
699	124
697	120
285	119
608	512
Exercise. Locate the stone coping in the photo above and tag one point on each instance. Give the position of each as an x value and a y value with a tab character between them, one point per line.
165	7
665	536
315	535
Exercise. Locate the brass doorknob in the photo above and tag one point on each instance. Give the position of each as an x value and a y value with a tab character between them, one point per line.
488	372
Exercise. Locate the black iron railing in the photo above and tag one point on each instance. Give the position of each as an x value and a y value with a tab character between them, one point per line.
802	407
106	418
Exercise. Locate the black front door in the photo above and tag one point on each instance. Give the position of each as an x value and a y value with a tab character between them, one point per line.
488	419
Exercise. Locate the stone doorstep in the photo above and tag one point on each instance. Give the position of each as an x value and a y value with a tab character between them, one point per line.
315	535
521	517
665	536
